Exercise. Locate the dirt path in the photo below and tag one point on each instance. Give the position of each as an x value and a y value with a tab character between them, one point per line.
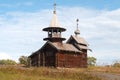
107	76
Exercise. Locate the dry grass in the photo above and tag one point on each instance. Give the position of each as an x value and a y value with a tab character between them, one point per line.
20	73
115	70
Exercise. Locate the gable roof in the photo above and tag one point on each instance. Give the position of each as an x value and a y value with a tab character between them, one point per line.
66	47
79	40
84	47
62	47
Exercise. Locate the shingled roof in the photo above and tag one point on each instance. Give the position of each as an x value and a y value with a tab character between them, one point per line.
62	47
66	47
84	47
79	40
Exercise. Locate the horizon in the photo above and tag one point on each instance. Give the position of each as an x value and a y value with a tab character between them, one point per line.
21	24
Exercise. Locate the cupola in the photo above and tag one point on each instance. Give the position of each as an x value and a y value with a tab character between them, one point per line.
54	30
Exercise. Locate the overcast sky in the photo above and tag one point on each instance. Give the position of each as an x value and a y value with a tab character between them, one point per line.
21	24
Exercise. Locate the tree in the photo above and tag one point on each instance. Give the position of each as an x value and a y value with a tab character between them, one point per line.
116	64
91	61
7	62
24	60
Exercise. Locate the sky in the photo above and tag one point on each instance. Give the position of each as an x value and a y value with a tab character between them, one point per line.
21	24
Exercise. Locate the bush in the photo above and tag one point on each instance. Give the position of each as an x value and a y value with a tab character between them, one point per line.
7	62
116	64
91	61
24	60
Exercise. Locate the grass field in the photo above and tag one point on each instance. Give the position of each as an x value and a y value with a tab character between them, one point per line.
21	73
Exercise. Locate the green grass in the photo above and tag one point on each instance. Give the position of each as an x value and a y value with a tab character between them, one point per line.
19	73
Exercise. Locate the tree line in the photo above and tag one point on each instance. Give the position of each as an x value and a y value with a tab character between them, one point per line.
25	60
7	62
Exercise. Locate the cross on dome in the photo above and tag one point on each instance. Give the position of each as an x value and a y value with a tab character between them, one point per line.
77	31
54	21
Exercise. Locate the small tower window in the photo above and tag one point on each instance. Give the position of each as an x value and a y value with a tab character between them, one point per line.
54	34
49	34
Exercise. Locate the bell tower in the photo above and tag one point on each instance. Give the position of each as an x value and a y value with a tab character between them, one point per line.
54	30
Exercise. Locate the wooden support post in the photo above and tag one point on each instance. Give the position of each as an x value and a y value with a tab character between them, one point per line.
56	60
43	59
38	59
30	63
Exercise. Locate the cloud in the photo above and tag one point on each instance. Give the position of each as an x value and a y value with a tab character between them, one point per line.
105	56
7	5
21	32
4	56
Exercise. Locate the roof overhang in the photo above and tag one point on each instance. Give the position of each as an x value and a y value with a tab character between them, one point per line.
51	28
